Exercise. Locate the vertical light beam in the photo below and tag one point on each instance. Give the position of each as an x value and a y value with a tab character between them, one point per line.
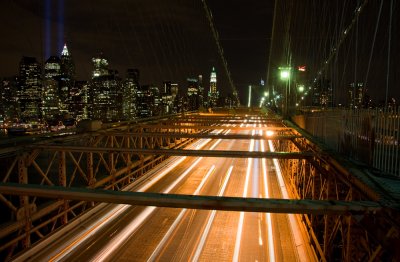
249	104
47	29
60	26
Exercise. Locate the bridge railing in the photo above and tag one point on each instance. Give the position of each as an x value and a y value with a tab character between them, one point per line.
371	136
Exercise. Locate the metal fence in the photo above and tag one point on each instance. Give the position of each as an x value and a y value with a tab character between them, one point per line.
371	136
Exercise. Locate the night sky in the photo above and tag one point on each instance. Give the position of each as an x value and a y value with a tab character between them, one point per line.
165	40
172	40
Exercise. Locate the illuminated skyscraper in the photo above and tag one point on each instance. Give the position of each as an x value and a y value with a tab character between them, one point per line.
106	97
67	64
130	86
100	66
201	90
51	97
105	91
167	98
66	79
30	88
193	94
213	93
78	101
356	94
145	101
52	67
9	107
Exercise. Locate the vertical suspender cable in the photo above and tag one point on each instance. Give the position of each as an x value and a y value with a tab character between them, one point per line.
220	50
270	90
355	84
388	53
373	44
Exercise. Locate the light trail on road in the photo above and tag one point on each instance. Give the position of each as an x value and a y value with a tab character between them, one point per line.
241	219
178	219
211	218
271	246
297	235
111	215
111	246
159	234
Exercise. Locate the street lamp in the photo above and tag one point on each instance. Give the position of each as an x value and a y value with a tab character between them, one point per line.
285	75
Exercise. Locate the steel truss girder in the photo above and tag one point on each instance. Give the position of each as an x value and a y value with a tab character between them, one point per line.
204	135
223	121
181	152
213	127
67	168
338	237
293	206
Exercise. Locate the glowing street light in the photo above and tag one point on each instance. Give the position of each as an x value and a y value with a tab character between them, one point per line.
285	73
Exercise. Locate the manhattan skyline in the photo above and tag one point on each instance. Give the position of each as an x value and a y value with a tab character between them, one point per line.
173	40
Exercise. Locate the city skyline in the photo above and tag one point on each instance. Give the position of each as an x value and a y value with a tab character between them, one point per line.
165	40
123	74
173	40
51	96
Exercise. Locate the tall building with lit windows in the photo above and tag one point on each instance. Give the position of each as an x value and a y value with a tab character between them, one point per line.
30	88
213	94
201	90
51	96
105	92
167	98
67	65
100	66
193	94
66	79
106	95
130	86
9	108
356	94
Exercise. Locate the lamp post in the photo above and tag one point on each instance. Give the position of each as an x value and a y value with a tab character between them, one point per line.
249	103
285	75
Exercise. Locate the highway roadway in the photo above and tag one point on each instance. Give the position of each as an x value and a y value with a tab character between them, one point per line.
128	233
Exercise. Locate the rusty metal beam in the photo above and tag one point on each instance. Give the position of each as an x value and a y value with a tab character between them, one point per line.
194	201
222	120
205	135
148	126
178	152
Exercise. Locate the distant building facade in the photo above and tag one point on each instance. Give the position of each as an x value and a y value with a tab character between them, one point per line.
51	95
213	94
130	89
66	79
193	94
30	88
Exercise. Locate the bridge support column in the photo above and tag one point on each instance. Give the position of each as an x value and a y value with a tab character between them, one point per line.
62	181
90	171
24	212
111	163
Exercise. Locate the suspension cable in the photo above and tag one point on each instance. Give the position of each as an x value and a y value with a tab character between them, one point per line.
344	35
220	50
